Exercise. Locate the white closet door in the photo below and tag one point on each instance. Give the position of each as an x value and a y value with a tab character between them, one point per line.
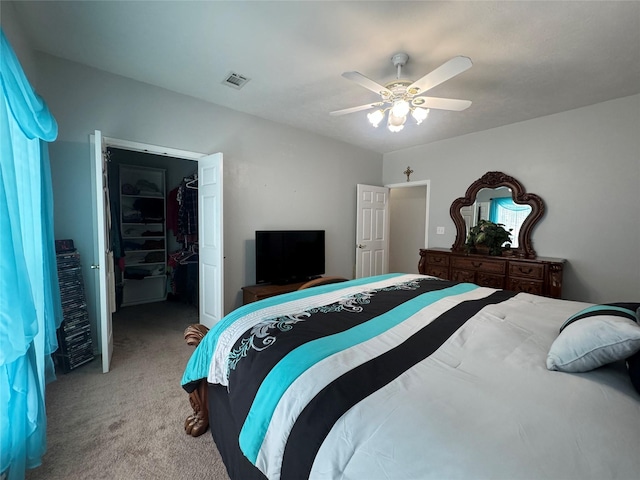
103	262
210	237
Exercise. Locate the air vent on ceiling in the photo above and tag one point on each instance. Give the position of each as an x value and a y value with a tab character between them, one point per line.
235	80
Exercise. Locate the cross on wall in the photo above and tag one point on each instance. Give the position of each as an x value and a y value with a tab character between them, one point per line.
408	173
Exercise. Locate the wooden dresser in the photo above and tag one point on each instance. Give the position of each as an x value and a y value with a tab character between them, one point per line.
540	275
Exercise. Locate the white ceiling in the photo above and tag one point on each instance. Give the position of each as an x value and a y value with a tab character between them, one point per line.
530	58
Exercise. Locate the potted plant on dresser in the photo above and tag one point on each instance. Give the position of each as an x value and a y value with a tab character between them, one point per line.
488	238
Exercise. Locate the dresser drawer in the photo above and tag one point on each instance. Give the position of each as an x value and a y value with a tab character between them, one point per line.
527	286
466	276
526	270
434	259
493	281
479	264
437	271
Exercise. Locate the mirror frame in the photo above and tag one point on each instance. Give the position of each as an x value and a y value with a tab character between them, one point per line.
519	195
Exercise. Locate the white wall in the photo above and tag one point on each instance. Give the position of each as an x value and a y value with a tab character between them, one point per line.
274	176
584	163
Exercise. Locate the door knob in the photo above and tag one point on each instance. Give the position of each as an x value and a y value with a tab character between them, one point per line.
95	267
360	245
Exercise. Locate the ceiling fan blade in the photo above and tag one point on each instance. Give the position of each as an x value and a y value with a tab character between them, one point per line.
444	72
441	103
356	109
367	83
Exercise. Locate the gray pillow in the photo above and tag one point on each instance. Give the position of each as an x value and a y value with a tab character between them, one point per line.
596	336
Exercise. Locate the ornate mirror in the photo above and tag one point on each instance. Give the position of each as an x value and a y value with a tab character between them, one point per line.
496	193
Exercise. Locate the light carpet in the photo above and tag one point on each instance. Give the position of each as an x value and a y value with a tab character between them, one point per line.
129	423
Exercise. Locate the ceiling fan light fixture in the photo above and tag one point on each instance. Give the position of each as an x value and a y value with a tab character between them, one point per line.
420	114
375	117
394	123
400	108
398	98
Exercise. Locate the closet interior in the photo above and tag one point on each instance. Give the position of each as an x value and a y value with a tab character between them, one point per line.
154	227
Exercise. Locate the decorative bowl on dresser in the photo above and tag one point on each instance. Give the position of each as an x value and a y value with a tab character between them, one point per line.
522	270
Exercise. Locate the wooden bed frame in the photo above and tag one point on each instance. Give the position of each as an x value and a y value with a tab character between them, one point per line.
198	422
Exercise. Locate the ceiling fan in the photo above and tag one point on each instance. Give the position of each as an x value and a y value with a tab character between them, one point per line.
401	97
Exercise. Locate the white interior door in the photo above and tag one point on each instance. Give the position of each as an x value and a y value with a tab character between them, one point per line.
483	211
372	231
468	215
211	278
103	262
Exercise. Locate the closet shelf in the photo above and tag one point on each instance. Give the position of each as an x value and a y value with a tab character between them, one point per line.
142	223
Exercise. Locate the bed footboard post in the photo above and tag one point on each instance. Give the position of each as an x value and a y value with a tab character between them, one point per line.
198	422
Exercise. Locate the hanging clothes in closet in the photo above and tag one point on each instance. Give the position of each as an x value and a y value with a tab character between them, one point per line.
182	214
182	220
183	278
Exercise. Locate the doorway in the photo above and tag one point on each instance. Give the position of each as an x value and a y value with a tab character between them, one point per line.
209	206
409	224
154	234
392	225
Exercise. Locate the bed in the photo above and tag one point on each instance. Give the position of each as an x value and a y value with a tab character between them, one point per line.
408	376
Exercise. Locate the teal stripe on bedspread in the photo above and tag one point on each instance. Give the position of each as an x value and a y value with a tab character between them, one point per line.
305	356
198	366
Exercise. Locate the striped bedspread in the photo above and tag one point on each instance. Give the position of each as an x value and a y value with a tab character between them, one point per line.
407	376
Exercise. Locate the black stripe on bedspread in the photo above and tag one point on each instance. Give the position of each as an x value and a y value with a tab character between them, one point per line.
335	399
256	362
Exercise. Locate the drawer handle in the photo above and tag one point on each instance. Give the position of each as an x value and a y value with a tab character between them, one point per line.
437	260
529	270
476	264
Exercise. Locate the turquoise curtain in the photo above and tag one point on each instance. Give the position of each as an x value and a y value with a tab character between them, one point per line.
505	203
30	310
505	211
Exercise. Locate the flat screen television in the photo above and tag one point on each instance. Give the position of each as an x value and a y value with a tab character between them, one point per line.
289	256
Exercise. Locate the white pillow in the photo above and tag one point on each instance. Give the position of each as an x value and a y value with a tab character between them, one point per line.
595	336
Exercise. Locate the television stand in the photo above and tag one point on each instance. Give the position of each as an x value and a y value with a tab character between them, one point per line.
253	293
